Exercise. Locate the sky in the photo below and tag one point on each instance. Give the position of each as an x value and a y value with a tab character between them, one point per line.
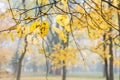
2	7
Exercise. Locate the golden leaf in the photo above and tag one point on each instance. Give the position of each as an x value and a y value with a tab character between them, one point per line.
44	28
34	25
11	36
63	20
64	2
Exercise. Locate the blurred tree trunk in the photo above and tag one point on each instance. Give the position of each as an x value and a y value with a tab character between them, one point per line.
53	39
111	53
23	54
119	30
105	72
64	70
106	75
21	60
57	71
111	58
19	69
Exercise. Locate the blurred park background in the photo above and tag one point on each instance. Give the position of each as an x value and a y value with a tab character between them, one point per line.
36	64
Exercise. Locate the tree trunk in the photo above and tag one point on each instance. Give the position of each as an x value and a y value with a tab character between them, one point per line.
21	59
19	70
20	66
64	72
119	31
111	60
64	66
106	70
106	75
111	53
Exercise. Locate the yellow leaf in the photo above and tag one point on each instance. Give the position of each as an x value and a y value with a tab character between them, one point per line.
44	28
115	2
68	55
79	8
116	40
41	50
62	20
4	34
61	34
65	2
63	37
43	1
67	28
11	36
19	31
22	30
62	57
57	46
19	34
34	25
27	49
119	11
21	51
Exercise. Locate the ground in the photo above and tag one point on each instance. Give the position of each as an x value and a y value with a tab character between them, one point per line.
77	76
55	78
